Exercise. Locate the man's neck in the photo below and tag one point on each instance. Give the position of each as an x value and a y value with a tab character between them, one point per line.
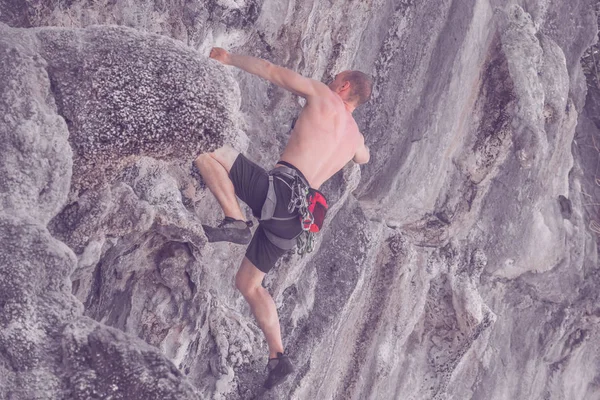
349	107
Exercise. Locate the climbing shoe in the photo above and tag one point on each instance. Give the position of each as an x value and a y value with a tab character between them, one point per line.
280	369
229	230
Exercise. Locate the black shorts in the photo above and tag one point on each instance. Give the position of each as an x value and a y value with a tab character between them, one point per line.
251	183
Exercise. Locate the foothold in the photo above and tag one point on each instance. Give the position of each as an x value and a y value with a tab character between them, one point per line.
393	224
549	114
442	216
565	207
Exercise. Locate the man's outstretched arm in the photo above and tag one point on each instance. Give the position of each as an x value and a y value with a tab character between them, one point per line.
282	77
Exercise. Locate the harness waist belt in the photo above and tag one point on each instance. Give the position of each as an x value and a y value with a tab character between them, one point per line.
292	170
285	170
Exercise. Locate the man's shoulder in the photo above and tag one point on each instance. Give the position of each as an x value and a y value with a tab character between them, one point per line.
326	102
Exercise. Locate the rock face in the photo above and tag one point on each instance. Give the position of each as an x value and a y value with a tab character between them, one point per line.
49	348
124	95
461	262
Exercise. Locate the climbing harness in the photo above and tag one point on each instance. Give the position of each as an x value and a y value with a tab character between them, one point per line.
310	204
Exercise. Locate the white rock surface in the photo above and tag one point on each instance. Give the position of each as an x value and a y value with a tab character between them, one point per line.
458	264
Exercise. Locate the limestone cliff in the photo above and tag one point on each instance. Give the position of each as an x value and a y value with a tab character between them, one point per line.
461	262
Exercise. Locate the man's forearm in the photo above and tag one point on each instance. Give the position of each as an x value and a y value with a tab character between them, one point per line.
253	65
363	156
280	76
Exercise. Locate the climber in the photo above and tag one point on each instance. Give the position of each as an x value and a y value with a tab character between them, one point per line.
324	138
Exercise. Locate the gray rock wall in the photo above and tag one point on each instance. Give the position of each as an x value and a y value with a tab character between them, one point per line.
460	262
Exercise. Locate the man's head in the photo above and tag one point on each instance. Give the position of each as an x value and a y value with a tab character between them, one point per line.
353	86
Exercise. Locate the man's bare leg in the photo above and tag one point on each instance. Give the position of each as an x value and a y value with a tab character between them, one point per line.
214	168
249	281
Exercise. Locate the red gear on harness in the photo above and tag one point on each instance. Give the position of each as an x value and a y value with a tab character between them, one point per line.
317	209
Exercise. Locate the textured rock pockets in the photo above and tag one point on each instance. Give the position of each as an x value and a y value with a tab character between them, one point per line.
123	95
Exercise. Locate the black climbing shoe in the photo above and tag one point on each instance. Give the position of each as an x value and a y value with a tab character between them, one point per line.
280	369
229	230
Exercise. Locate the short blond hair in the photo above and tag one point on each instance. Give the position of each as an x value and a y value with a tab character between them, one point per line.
361	86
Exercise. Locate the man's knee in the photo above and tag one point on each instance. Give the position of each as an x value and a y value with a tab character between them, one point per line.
248	279
244	285
202	160
225	156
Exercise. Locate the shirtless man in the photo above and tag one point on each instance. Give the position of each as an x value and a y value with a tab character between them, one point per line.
324	138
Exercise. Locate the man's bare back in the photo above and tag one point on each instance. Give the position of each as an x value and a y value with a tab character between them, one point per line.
325	136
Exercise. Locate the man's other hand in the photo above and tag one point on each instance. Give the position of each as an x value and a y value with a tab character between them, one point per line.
220	55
